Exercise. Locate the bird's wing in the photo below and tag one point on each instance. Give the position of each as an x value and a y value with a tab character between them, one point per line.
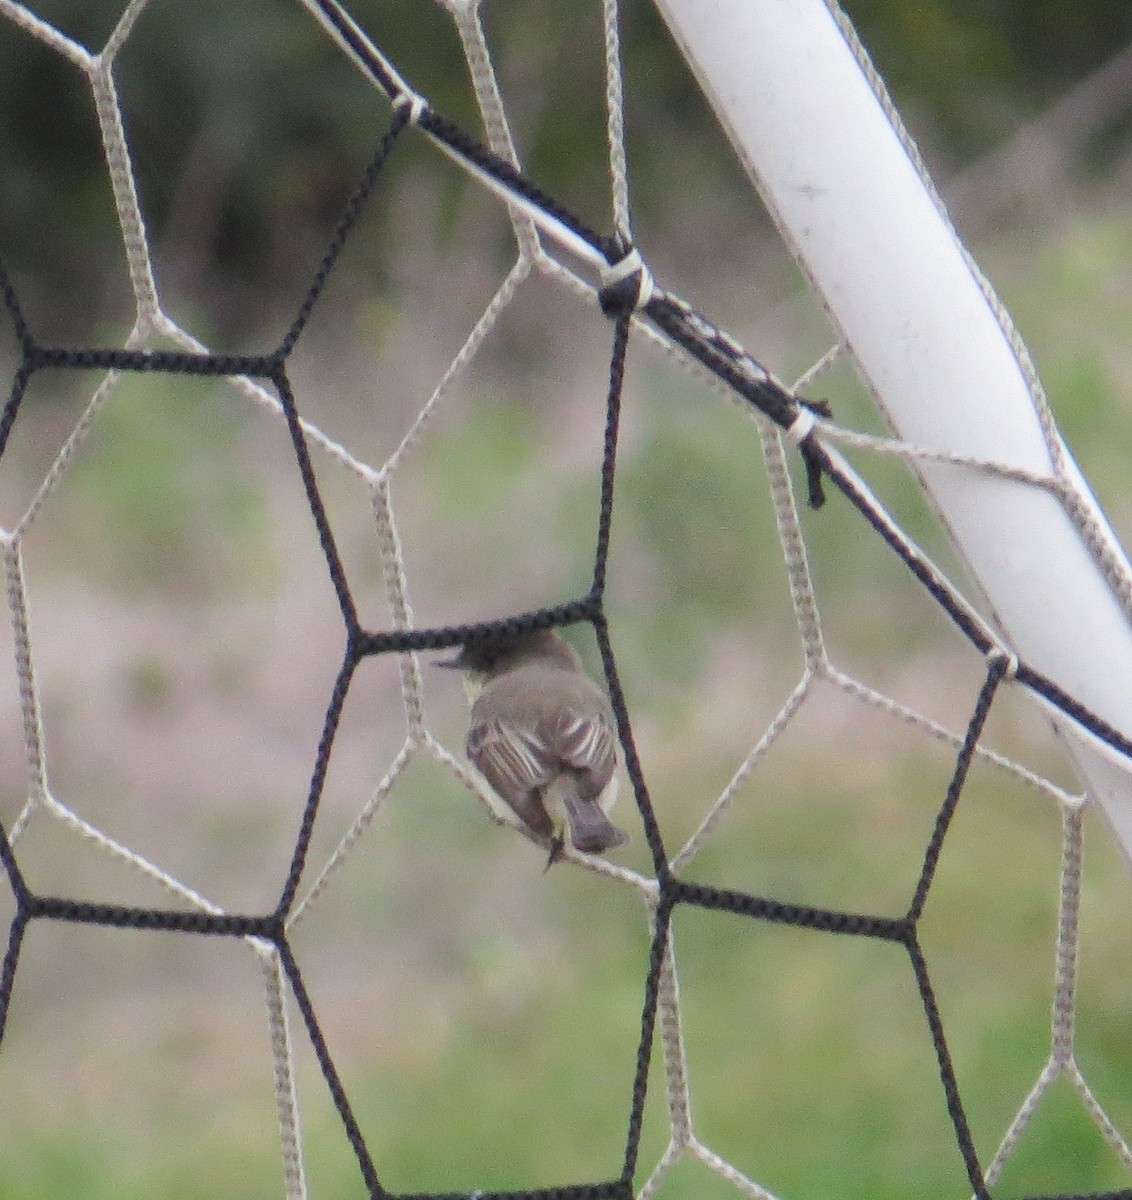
516	764
586	743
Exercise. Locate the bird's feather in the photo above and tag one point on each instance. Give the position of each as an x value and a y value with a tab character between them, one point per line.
543	738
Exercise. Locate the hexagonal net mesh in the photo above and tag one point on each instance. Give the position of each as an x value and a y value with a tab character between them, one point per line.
605	272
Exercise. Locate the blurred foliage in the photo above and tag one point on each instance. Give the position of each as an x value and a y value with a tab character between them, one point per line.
158	507
703	529
249	127
470	462
968	70
784	1029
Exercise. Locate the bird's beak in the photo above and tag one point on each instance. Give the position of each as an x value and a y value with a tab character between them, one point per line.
456	663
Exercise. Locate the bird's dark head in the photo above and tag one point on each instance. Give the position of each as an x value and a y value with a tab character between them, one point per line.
484	658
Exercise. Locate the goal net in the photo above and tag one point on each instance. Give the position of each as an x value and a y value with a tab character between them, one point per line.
865	635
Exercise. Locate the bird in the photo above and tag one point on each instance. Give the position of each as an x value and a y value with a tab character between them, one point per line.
542	735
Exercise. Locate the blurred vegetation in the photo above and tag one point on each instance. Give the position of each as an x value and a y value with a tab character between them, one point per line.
968	70
248	131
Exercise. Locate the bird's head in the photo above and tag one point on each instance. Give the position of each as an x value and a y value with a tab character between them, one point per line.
486	658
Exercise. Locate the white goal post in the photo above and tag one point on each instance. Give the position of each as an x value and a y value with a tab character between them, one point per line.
814	129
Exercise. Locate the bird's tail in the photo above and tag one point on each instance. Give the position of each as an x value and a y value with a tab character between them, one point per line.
591	831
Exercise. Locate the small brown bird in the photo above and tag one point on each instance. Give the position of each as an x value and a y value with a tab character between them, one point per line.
542	736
